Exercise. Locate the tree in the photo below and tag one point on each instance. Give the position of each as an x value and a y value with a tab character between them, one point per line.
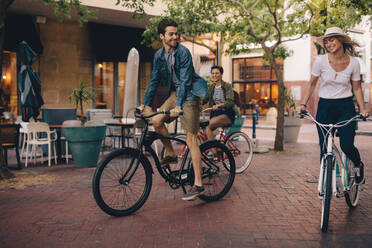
267	23
63	9
195	18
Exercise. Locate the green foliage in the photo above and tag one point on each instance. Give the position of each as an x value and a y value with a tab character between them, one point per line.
195	18
136	5
290	103
341	13
62	9
80	95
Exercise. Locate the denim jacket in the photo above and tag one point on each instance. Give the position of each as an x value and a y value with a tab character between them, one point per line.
190	82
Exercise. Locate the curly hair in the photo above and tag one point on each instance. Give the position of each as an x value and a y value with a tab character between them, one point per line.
166	22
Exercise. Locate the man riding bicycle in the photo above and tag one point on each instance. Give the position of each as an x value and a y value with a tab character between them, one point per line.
173	63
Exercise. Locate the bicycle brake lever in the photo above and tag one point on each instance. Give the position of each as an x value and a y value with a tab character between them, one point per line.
303	113
362	117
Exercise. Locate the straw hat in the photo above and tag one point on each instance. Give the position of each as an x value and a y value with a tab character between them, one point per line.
333	31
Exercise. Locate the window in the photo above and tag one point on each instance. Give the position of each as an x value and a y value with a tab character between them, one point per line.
257	83
110	94
8	86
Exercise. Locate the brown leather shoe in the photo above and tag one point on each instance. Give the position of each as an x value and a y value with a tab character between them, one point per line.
194	192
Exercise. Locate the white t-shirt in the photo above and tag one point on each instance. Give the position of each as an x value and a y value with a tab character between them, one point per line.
334	84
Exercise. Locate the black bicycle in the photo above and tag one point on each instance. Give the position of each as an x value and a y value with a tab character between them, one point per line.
123	178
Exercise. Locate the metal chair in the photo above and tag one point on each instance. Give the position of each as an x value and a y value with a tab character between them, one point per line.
39	133
9	137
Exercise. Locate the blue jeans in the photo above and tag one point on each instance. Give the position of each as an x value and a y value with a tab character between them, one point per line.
332	111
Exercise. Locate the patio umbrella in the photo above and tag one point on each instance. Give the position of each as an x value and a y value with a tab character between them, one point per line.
29	83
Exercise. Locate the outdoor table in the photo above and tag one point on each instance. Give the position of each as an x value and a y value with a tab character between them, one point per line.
126	125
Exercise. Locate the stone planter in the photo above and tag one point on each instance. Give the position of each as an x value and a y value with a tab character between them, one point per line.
85	144
292	127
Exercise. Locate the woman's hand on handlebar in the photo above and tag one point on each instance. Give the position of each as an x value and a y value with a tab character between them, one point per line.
364	113
217	106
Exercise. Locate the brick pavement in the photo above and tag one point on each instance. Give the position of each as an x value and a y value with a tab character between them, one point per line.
273	204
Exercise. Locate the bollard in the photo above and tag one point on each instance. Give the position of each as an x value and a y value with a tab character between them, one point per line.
256	148
257	113
254	116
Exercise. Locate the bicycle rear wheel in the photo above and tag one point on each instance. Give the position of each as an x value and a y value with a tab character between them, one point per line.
120	188
352	195
241	147
218	170
326	201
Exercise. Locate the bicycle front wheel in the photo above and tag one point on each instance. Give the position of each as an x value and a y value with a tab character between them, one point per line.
241	147
121	182
218	170
352	195
326	201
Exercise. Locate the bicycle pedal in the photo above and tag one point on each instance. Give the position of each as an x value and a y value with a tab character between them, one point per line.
339	195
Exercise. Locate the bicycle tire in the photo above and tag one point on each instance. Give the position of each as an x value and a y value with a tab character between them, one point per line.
241	147
179	149
110	192
326	201
352	195
218	171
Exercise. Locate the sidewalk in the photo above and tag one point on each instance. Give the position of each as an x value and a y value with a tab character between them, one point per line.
273	204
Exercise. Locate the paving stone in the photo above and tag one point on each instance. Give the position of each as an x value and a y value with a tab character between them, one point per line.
273	204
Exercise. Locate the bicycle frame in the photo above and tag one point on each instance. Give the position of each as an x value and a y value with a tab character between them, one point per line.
202	137
340	170
147	138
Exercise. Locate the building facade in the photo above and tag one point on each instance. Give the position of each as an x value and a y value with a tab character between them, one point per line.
97	53
67	52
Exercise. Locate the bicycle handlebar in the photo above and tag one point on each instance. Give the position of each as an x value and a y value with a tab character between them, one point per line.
137	113
205	110
304	114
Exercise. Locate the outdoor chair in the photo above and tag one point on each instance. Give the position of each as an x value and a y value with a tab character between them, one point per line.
9	137
38	134
113	135
69	123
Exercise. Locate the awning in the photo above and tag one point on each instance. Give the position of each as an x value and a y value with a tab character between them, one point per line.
113	43
21	27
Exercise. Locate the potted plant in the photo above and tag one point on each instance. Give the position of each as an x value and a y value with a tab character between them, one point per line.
292	124
84	140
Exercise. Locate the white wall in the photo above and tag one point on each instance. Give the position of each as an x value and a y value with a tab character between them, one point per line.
157	9
298	66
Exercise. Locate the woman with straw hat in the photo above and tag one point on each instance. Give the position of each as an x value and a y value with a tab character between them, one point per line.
339	72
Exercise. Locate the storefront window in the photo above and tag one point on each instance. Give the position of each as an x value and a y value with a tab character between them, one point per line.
8	86
104	84
257	83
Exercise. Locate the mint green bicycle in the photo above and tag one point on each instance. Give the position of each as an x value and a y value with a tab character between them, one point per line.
336	175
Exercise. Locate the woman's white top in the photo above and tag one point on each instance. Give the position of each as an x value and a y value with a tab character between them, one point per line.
334	84
218	96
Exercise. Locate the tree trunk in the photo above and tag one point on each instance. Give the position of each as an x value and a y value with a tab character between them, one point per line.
278	145
4	5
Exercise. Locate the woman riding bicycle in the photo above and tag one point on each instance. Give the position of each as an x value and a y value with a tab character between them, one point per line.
340	79
221	100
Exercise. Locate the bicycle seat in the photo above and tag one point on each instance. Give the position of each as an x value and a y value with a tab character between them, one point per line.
204	124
